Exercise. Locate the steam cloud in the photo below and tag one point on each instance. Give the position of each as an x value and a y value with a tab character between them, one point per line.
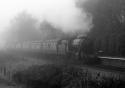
65	15
62	14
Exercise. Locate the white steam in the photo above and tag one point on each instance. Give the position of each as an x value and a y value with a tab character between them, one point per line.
67	16
63	14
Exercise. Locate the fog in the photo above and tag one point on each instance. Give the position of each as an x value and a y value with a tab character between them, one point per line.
63	15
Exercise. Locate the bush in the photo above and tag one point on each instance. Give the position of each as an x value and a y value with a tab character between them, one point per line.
37	76
107	82
62	76
51	76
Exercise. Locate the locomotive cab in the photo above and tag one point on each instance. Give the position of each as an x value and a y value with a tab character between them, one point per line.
83	48
76	46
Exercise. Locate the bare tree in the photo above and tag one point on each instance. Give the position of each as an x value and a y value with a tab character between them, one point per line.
49	31
23	28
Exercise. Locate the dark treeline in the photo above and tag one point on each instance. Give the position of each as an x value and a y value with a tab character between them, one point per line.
109	25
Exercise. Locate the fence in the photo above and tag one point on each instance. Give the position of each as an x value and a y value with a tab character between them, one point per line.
6	73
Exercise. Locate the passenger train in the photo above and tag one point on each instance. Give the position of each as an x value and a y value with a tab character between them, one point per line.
80	47
68	46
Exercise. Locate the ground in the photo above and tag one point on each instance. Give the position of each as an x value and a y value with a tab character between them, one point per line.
11	61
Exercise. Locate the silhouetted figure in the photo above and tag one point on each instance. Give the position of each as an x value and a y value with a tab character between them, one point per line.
57	46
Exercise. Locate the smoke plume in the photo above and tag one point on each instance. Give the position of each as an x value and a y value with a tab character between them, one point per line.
65	15
62	14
